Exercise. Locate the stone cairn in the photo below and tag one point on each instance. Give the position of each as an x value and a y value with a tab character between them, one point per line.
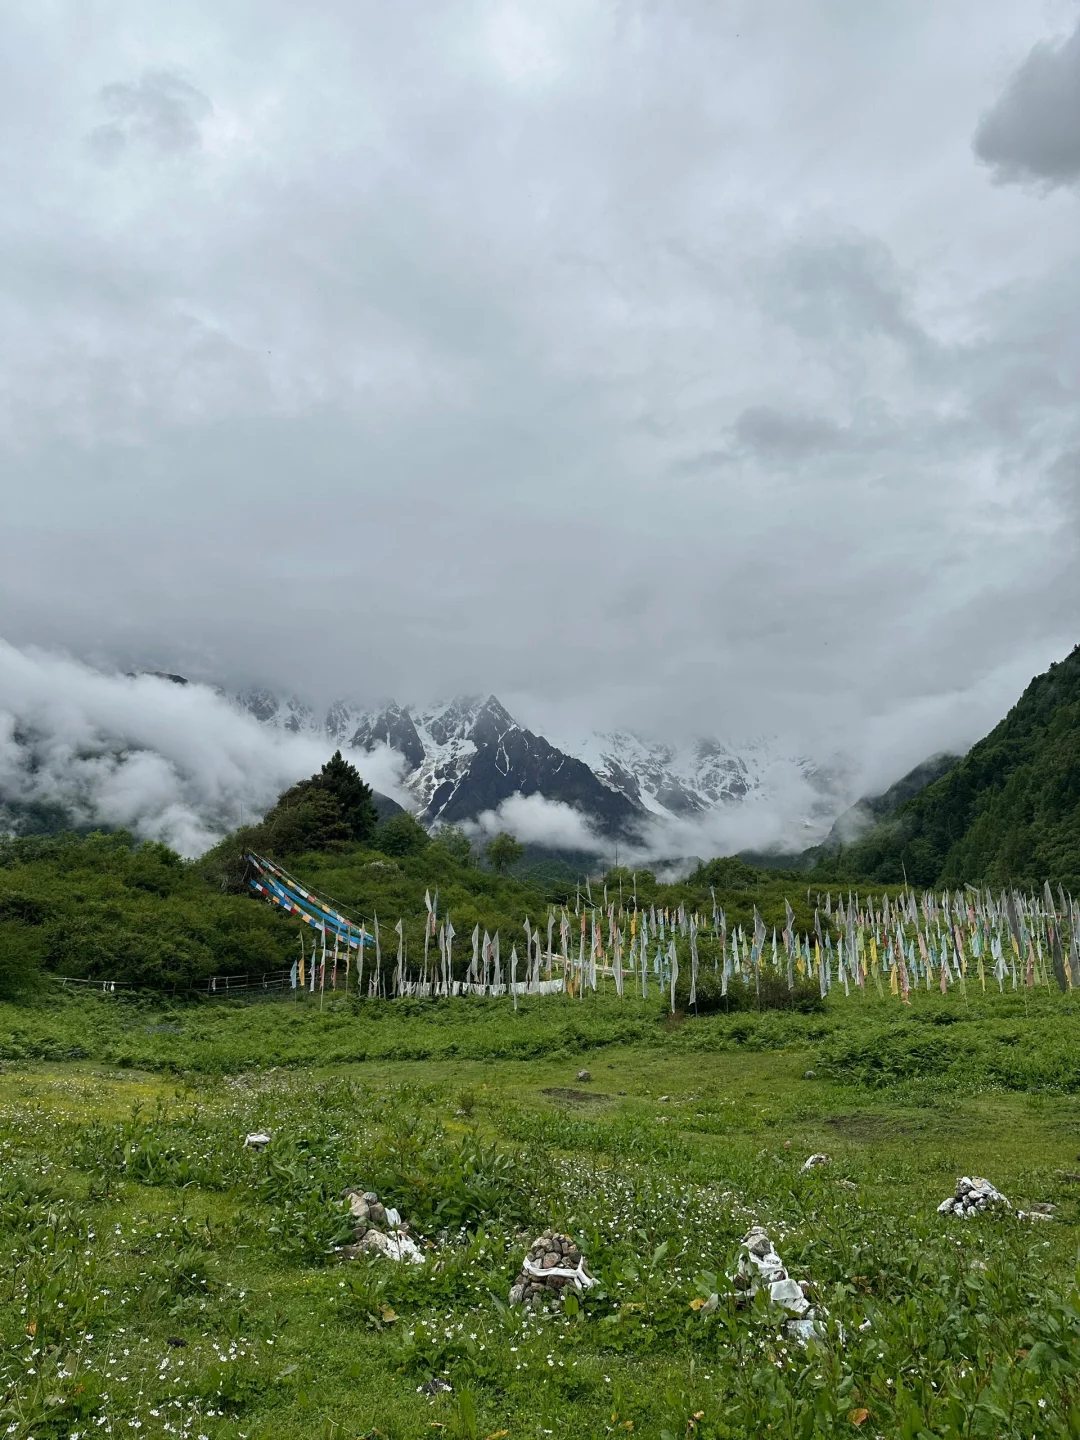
552	1264
760	1267
378	1229
973	1196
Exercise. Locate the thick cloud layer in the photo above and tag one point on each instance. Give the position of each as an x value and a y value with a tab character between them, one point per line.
678	368
1033	130
176	763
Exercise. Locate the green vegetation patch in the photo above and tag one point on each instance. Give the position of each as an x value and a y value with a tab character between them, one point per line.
159	1278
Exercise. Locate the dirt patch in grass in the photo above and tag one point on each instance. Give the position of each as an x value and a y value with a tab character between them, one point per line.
871	1125
576	1097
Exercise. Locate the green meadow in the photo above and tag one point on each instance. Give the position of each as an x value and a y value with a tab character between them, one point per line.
159	1279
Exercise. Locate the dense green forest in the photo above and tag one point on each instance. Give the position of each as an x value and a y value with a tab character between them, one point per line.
1008	813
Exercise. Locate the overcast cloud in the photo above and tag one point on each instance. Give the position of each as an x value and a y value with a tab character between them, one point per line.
690	367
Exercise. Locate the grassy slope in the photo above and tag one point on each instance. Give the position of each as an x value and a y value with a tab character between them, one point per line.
153	1224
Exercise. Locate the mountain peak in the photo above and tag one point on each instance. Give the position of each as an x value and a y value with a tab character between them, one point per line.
466	755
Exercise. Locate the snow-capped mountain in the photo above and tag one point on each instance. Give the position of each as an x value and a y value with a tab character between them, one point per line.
693	779
468	755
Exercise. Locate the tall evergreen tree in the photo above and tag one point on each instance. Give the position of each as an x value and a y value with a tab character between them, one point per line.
342	779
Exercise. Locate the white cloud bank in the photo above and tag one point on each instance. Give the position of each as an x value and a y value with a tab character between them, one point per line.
534	820
788	815
176	763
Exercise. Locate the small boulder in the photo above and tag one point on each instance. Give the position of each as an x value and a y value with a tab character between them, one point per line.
435	1386
815	1160
584	1075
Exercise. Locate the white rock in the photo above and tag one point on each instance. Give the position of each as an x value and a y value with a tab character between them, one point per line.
789	1294
972	1197
257	1140
394	1247
759	1264
816	1160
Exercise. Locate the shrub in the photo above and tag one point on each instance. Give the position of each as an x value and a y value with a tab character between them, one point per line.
772	994
401	835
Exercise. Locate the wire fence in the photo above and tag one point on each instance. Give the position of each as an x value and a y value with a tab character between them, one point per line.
215	987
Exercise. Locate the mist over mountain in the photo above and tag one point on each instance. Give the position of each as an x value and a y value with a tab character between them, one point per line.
183	762
84	748
469	761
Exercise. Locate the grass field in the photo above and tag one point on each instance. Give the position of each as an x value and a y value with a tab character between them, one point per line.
159	1279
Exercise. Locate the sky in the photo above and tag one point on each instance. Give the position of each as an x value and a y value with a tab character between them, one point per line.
700	368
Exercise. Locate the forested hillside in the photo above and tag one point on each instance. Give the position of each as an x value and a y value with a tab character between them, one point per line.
107	907
1008	812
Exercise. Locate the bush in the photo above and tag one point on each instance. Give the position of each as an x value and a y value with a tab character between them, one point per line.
20	958
773	994
401	835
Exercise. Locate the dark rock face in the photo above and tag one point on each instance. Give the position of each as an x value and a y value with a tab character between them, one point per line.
263	704
385	807
394	727
511	760
471	755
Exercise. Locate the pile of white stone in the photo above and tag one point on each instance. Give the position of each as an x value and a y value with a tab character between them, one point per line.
761	1267
975	1194
378	1230
553	1263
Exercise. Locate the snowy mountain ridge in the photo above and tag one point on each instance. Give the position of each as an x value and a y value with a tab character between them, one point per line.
467	755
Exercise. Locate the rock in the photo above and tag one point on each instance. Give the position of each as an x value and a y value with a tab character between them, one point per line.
972	1196
583	1075
809	1075
1043	1207
373	1219
760	1265
662	1099
553	1264
257	1140
436	1386
394	1247
816	1160
757	1242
